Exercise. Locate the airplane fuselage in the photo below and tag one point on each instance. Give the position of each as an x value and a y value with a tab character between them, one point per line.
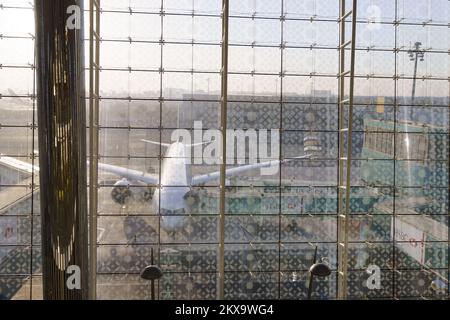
169	201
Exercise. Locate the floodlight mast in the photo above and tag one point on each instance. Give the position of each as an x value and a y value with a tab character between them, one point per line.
415	54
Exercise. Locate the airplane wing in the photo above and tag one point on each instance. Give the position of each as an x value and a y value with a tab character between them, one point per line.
18	164
204	178
120	171
150	179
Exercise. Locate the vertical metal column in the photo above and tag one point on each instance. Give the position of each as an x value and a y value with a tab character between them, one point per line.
345	175
448	197
94	97
448	186
280	148
62	150
223	128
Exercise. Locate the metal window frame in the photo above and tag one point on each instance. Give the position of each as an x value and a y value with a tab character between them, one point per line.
345	160
223	129
344	177
94	100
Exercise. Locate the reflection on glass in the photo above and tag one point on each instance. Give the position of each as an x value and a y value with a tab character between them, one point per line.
161	73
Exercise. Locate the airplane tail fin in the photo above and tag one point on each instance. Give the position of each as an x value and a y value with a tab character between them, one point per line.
168	144
198	144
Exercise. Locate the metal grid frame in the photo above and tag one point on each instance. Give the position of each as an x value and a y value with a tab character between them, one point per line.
30	249
396	104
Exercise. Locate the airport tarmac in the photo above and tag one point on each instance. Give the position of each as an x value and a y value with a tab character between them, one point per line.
256	265
126	235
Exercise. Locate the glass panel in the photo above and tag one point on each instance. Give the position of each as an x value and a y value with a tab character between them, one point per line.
161	70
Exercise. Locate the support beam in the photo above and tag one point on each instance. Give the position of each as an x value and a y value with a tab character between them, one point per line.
62	148
94	106
223	128
345	142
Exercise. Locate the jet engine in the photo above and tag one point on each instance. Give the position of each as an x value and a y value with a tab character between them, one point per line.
192	198
144	194
121	192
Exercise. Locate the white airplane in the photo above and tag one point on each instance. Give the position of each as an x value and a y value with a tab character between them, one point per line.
173	204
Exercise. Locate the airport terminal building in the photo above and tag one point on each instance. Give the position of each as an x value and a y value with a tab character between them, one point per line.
221	149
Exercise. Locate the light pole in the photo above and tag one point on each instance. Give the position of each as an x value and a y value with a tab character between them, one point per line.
318	269
152	273
414	55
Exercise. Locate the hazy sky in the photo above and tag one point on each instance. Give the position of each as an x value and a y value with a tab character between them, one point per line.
262	32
